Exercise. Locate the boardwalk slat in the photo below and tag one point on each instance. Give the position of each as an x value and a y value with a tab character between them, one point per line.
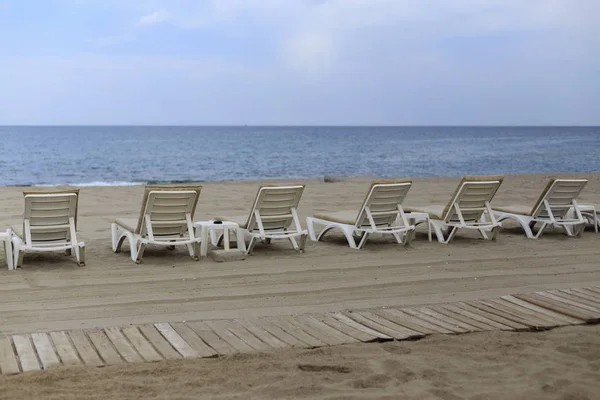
333	336
124	348
501	313
407	320
263	335
104	347
312	331
266	324
586	295
525	319
86	351
194	340
347	329
220	328
399	334
561	318
349	321
570	302
64	348
143	346
214	341
8	358
491	316
448	319
176	341
574	297
476	317
405	333
26	353
247	337
159	342
557	306
44	349
461	317
542	320
425	317
293	330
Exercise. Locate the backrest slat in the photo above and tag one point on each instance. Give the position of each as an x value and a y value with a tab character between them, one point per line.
471	196
559	193
168	211
383	197
49	215
272	201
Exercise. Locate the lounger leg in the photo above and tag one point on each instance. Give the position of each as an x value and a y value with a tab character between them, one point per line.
8	253
302	243
398	237
17	252
495	231
348	232
117	238
251	245
293	242
192	251
311	229
541	230
452	233
437	228
363	240
80	255
409	236
139	254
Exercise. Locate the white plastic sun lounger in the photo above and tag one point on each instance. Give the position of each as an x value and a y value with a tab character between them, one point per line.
273	216
469	208
6	243
165	220
551	209
49	224
380	213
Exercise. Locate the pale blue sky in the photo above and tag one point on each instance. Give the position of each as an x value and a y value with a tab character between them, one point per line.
300	62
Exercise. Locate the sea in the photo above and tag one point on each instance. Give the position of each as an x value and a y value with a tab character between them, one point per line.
129	155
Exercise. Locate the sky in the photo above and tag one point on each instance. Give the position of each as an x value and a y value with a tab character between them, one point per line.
300	62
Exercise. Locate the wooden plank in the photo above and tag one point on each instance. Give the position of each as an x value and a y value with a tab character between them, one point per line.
557	306
312	331
26	353
299	333
214	341
461	317
543	320
139	342
407	320
104	347
263	335
247	337
333	336
67	353
44	349
586	295
420	315
279	333
400	334
574	297
124	348
528	319
8	358
86	351
406	333
194	340
159	342
349	321
565	319
448	319
499	312
176	341
492	316
220	328
477	317
570	302
347	329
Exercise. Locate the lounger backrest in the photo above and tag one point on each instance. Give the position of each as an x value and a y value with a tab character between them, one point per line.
50	217
275	205
169	209
560	194
383	199
471	197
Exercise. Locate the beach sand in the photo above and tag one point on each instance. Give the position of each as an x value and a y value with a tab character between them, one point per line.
560	364
52	293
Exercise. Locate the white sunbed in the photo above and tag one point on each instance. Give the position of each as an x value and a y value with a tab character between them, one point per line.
551	209
165	220
469	208
380	213
272	216
49	224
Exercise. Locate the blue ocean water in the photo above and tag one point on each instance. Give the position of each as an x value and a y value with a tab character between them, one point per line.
103	155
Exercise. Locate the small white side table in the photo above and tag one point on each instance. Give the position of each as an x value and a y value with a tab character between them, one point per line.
419	217
5	238
211	228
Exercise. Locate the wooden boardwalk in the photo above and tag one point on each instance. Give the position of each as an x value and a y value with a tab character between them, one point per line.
213	338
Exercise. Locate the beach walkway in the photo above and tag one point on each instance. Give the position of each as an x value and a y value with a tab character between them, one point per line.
533	311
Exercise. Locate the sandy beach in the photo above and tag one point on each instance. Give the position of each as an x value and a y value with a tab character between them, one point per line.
52	293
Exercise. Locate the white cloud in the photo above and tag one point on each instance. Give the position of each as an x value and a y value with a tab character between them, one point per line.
153	18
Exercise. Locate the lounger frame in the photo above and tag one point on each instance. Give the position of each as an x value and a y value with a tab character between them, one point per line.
380	213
